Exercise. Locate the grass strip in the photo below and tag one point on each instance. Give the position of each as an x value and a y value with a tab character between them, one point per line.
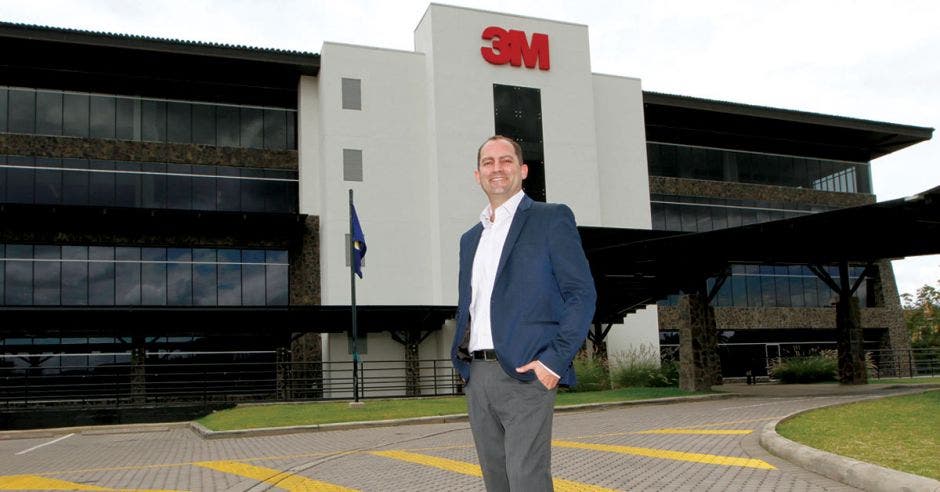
281	415
901	432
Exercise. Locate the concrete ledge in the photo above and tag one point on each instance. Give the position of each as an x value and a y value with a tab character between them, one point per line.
865	476
207	433
90	430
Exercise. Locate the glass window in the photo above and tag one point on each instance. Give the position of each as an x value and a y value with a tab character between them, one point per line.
204	124
3	109
75	115
227	126
3	181
179	187
127	118
153	120
230	277
252	191
796	286
351	90
179	122
21	180
673	217
203	192
291	129
278	195
768	297
19	274
46	275
179	276
153	183
153	271
719	217
253	278
22	111
782	285
102	116
738	287
205	280
352	165
252	128
48	113
2	274
101	183
277	279
74	275
754	297
229	190
48	181
75	182
275	129
128	190
101	276
127	276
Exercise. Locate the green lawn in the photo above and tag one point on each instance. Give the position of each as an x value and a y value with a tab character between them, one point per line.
901	432
280	415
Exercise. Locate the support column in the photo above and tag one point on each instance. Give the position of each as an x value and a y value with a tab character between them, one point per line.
306	367
138	370
849	338
699	364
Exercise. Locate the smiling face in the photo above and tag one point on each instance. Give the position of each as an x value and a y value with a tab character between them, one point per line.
499	171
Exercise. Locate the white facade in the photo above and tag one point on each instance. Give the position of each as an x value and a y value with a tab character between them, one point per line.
422	117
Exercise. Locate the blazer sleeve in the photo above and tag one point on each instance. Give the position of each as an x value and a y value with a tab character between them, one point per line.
576	285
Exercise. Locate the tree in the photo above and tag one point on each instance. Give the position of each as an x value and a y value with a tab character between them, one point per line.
922	314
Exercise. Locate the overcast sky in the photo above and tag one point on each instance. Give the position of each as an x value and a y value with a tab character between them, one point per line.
874	60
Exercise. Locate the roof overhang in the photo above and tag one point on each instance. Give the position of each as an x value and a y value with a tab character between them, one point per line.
708	123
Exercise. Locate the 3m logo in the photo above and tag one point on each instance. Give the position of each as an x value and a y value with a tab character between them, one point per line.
513	48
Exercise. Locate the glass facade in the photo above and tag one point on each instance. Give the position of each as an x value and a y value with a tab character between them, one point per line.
684	161
39	180
701	214
779	286
518	115
45	275
80	114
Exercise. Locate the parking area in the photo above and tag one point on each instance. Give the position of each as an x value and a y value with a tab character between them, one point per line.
703	445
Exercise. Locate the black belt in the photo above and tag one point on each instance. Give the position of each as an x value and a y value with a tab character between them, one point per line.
484	355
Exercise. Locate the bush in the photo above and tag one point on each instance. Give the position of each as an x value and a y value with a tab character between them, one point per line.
592	374
640	367
812	369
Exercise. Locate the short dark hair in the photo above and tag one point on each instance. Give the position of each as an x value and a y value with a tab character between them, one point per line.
515	147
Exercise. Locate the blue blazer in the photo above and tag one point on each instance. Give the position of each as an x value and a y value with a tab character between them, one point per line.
543	297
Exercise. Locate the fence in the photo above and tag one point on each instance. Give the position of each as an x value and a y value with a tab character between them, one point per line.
905	363
58	380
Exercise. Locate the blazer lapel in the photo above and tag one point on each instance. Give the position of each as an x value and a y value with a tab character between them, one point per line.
518	220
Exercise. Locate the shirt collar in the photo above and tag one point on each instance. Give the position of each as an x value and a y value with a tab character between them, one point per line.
507	209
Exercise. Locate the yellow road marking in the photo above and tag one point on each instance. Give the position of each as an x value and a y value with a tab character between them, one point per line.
35	482
465	468
710	459
280	479
715	432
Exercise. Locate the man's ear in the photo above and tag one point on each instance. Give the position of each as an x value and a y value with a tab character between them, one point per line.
476	174
525	171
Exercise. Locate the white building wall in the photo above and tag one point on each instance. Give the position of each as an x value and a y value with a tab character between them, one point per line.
624	186
423	116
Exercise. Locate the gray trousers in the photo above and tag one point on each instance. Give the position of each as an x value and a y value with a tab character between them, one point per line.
511	422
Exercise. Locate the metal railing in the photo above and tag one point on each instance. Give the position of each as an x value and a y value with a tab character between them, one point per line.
47	380
919	362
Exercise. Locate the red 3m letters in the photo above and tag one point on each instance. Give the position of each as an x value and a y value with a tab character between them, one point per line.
513	48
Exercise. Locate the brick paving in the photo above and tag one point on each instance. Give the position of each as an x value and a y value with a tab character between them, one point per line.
168	458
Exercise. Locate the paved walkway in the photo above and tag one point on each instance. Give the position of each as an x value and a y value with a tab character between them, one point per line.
704	445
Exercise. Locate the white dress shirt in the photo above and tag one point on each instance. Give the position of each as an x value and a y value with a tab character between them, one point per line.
485	263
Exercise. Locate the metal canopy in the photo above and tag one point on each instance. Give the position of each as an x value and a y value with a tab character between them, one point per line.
633	270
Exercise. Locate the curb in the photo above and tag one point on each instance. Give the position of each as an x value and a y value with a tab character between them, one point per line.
859	474
207	433
90	430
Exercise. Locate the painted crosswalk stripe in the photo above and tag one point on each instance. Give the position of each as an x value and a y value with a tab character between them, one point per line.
36	482
280	479
710	459
465	468
705	432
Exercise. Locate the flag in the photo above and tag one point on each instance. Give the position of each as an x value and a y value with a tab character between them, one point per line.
358	241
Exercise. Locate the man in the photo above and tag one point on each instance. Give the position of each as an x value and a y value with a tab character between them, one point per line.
526	299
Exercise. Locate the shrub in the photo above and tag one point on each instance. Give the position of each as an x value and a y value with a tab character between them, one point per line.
592	374
640	367
813	369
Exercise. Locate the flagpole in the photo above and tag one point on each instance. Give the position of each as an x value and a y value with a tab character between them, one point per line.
352	285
